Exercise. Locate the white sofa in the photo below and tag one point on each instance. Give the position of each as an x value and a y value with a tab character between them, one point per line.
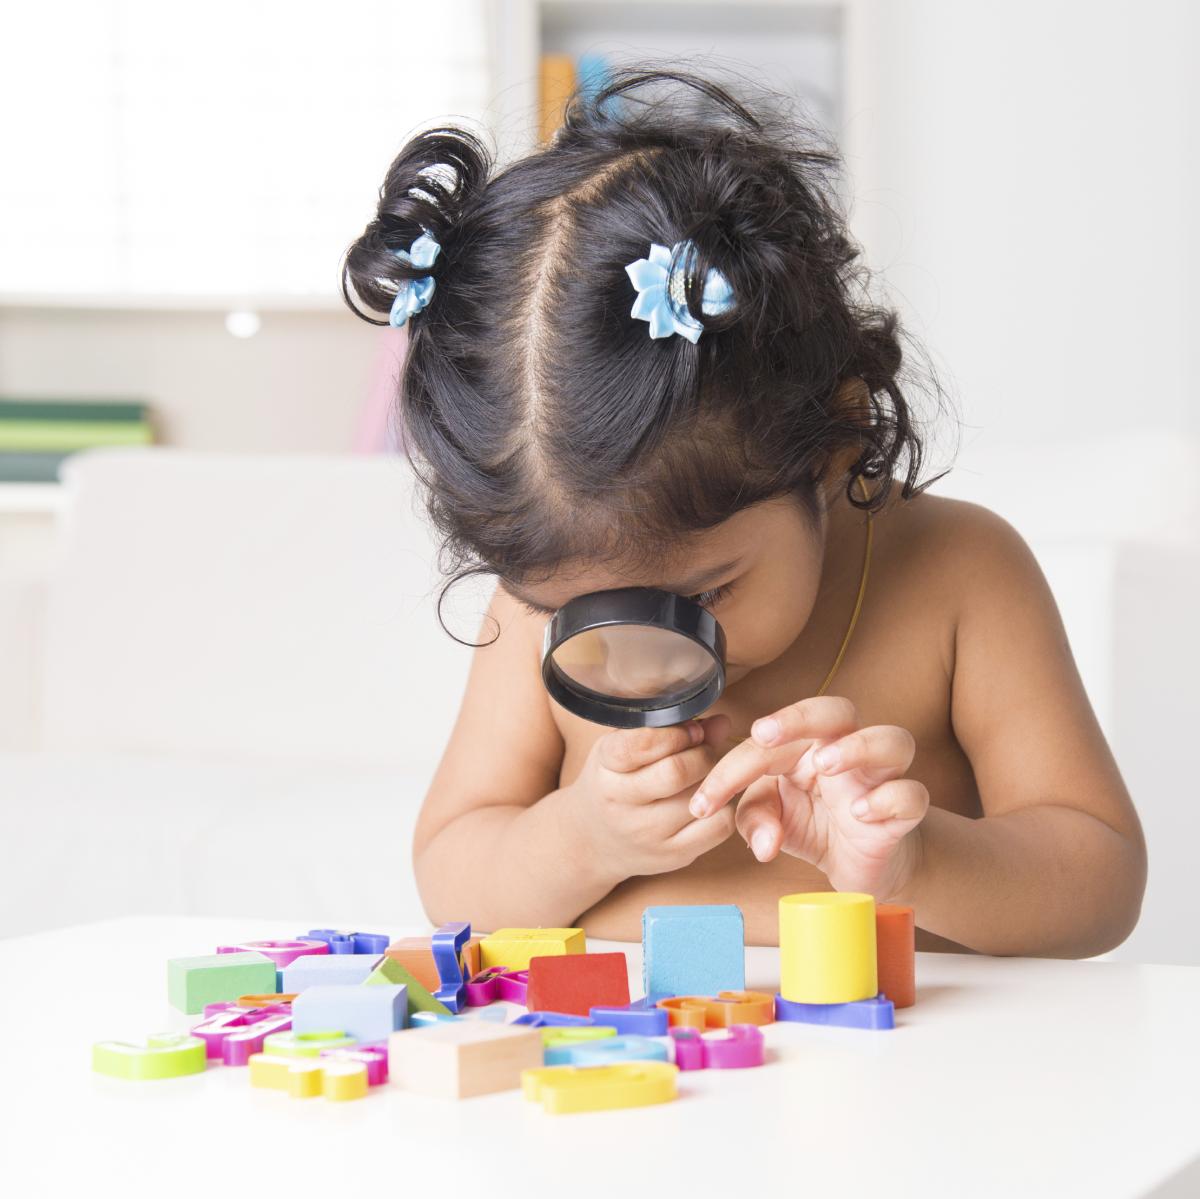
240	690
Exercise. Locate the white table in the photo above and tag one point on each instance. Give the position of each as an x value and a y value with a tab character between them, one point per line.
1010	1077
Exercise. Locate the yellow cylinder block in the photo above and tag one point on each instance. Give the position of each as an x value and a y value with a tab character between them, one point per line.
827	947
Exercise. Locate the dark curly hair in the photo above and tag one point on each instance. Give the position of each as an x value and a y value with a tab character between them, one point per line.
544	423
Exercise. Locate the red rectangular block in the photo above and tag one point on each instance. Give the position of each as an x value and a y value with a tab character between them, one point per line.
577	982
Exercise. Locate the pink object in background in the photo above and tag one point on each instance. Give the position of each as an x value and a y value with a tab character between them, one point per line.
498	982
732	1048
377	432
282	953
373	1056
218	1026
238	1046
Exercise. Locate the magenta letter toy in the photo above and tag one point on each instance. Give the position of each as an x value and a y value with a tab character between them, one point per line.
374	1057
498	982
241	1043
219	1025
282	953
732	1048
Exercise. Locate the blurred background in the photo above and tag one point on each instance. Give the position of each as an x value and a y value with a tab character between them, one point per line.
222	686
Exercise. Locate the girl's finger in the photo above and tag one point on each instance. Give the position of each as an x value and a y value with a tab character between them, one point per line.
897	799
760	819
749	761
669	776
882	750
699	836
818	716
631	749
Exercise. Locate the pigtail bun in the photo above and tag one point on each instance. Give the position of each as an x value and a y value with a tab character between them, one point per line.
429	185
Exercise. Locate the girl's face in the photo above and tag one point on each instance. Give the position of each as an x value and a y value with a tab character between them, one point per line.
757	572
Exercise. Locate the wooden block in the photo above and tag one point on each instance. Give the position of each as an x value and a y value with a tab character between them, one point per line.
415	954
693	949
389	971
217	978
459	1058
895	948
513	947
328	970
577	982
367	1014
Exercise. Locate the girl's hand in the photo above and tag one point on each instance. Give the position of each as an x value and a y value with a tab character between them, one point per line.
822	789
630	801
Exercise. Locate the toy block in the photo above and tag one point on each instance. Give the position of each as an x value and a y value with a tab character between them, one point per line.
364	1013
241	1044
574	982
344	941
874	1013
306	1044
373	1057
513	947
562	1089
605	1051
447	946
552	1020
642	1018
389	972
734	1048
415	954
164	1055
558	1042
693	949
460	1058
895	953
216	977
827	947
720	1011
498	982
305	1078
280	952
215	1029
332	970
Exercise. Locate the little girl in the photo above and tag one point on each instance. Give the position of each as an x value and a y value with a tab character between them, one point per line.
643	356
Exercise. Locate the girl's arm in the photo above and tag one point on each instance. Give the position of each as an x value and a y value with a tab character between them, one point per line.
1057	864
491	845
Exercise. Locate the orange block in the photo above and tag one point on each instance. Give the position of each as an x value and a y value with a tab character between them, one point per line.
721	1011
415	954
895	946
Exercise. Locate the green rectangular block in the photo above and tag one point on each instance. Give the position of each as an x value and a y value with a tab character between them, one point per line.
217	978
419	998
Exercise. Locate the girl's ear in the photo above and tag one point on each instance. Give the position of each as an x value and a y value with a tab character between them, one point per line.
851	405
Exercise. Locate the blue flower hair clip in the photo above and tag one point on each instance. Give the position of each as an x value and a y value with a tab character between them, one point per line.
415	294
660	286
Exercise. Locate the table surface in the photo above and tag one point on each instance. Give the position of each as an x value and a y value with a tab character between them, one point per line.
1009	1077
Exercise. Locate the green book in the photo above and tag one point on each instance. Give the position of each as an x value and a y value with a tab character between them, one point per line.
61	435
72	410
29	468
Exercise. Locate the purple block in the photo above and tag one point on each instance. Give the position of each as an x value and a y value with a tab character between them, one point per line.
642	1018
552	1020
343	941
365	1013
447	945
877	1013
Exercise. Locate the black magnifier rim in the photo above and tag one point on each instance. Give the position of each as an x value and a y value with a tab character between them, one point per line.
648	606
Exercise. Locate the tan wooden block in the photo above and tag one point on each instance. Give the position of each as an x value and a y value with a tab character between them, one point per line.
461	1058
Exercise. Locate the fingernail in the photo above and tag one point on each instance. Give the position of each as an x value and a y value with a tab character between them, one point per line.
826	758
699	805
765	730
860	807
761	843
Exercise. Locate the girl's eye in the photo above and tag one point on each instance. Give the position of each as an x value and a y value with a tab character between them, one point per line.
708	599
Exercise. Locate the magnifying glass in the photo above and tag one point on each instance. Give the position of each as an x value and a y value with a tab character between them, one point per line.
634	657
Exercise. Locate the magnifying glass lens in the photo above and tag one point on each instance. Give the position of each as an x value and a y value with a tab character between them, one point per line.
634	657
635	662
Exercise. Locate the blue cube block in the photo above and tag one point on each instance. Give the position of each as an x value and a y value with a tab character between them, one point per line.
693	949
327	969
365	1013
